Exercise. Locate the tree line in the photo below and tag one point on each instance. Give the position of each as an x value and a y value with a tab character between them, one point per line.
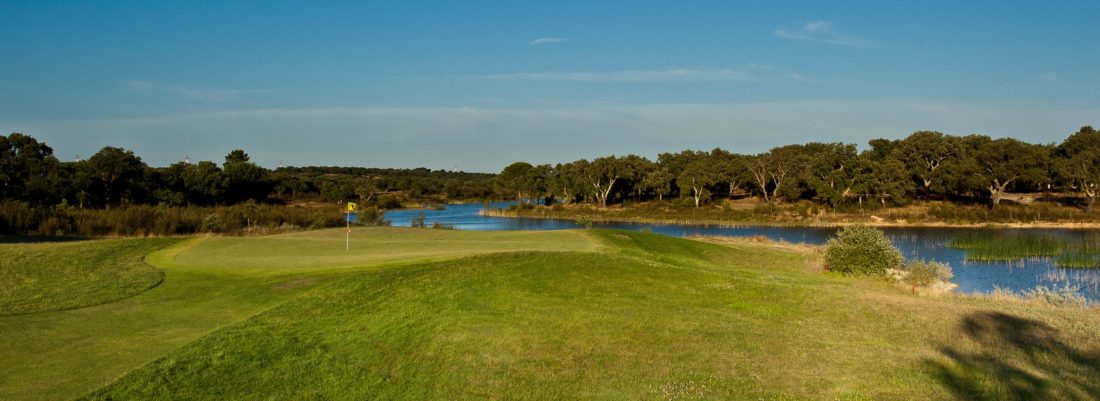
114	192
924	165
112	177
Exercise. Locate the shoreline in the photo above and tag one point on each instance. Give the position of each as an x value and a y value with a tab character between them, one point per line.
1041	225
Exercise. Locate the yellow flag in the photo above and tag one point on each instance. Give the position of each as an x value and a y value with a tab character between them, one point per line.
352	206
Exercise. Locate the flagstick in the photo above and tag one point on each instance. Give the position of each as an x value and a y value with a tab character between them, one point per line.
347	235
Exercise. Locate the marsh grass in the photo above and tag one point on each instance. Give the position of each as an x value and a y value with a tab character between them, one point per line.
992	246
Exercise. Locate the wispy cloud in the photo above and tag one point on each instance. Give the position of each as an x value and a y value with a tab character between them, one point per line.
543	41
666	75
1049	77
823	32
395	137
193	93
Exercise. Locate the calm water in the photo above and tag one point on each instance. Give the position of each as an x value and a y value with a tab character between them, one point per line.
926	243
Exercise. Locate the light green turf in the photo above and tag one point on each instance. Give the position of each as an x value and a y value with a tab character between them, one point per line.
325	250
58	355
39	277
642	317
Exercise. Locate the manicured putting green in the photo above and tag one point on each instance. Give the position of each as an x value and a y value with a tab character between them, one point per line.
325	250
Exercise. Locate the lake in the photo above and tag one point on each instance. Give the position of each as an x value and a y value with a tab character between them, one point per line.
914	242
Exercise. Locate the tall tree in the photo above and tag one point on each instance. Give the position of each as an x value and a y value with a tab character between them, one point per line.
514	180
832	170
28	170
1077	160
760	169
604	172
925	153
785	165
659	182
244	179
1001	162
697	177
118	172
881	177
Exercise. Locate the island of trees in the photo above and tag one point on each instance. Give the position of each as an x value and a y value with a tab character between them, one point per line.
114	192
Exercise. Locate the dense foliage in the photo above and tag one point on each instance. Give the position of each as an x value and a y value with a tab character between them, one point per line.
114	192
925	165
861	250
973	169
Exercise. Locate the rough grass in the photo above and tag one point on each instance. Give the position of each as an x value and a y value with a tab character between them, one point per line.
643	317
39	277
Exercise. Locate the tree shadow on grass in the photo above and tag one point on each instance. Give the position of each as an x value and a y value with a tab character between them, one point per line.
31	239
1013	358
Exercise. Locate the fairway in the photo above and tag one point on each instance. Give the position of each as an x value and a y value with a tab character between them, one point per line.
592	314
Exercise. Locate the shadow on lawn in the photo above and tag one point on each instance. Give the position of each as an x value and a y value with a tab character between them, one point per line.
1013	358
30	239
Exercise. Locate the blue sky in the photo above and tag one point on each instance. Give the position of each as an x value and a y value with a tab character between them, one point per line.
475	85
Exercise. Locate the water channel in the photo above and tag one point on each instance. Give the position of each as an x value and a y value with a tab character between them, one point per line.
915	242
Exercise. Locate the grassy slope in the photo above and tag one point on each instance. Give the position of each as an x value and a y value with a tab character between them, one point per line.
61	354
649	318
54	276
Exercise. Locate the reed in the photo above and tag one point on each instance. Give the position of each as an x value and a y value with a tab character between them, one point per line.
990	246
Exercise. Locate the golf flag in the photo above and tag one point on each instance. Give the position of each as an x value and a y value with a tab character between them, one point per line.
352	206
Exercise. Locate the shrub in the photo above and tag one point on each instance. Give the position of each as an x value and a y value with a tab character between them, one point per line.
1066	295
924	273
861	250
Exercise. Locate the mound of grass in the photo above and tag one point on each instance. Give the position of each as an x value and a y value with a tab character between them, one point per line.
38	277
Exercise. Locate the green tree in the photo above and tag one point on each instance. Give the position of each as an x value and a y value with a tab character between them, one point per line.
1077	160
567	180
28	170
779	169
832	170
516	180
697	177
118	172
925	153
604	172
1001	162
203	183
244	180
659	182
882	178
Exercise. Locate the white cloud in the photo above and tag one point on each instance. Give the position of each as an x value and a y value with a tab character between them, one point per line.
193	93
660	75
486	139
543	41
823	32
1049	77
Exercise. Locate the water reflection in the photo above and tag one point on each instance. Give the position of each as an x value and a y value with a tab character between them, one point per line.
924	243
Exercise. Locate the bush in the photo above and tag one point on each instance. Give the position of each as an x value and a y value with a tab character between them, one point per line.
924	273
1066	295
861	250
